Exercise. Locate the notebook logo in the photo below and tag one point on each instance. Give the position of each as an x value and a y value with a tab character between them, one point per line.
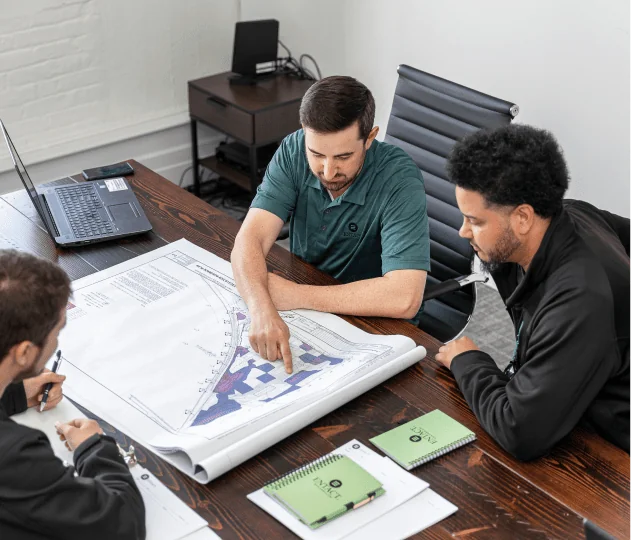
328	488
420	434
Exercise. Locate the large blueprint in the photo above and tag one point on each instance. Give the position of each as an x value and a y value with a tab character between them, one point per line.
158	346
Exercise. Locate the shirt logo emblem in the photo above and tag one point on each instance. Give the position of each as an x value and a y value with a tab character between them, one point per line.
352	227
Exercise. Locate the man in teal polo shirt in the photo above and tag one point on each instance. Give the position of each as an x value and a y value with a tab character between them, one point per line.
358	212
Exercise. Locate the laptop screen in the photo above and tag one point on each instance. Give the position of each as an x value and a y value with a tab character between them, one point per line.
24	176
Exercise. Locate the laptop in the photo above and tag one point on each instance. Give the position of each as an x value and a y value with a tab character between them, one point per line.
594	532
83	213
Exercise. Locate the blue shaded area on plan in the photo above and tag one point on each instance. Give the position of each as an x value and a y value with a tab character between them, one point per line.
315	360
231	383
227	385
266	377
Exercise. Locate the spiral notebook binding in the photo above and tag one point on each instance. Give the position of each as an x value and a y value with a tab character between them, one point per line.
442	451
300	472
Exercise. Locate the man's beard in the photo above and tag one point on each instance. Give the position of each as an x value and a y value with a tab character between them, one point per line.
344	181
505	247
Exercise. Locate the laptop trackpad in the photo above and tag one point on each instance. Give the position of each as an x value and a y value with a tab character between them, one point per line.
121	212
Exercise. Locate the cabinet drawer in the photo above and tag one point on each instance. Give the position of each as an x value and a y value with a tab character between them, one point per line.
221	115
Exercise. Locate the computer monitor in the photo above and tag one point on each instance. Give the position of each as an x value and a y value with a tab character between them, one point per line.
255	43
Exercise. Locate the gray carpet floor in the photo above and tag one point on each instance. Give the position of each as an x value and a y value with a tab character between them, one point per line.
491	327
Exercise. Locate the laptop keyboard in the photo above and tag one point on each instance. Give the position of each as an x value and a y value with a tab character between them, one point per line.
81	205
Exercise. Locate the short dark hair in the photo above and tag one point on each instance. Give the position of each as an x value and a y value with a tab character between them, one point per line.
512	165
33	293
335	103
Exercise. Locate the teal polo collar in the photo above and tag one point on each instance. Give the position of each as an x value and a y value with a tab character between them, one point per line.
356	193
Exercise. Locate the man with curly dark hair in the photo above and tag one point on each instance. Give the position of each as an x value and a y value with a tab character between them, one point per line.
562	269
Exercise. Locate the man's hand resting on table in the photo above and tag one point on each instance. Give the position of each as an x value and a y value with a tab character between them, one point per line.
34	389
269	336
75	432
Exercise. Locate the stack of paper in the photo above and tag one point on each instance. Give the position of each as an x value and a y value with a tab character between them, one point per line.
407	506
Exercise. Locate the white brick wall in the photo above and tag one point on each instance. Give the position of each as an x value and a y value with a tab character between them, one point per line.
76	74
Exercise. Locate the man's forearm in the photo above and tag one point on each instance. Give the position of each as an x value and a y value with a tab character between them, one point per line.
250	273
377	297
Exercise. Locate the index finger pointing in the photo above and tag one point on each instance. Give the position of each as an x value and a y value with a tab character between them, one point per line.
285	351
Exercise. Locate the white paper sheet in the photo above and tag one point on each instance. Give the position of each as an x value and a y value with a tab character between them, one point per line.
171	366
167	517
413	516
399	484
45	421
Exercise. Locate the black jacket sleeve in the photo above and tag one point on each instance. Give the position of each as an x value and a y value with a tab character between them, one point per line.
620	225
39	493
13	401
570	355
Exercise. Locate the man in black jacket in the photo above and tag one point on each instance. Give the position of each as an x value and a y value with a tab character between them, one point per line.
562	269
40	497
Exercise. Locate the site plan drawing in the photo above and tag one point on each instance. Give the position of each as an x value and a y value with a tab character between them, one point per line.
158	346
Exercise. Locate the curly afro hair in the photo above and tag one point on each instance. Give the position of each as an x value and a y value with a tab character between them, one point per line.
512	165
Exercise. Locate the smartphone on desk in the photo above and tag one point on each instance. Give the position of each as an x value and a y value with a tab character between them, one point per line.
108	171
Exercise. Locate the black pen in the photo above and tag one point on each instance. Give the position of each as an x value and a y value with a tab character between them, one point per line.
56	365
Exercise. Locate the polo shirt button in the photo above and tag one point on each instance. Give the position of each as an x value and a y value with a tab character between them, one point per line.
323	228
328	211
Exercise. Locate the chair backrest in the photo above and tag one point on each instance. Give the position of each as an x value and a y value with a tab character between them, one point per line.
429	115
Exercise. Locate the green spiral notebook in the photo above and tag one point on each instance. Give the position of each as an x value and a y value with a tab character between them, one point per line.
423	439
324	489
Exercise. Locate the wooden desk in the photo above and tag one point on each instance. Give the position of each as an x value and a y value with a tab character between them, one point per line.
255	115
497	496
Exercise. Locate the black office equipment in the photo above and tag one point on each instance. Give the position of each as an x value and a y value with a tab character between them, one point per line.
83	213
429	115
108	171
594	532
255	43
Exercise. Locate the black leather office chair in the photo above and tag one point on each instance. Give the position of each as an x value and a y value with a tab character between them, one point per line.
429	115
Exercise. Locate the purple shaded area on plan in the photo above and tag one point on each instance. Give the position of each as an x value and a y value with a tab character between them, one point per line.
315	360
306	347
241	317
227	385
223	407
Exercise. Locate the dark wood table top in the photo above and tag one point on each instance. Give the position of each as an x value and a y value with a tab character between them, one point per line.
253	98
497	496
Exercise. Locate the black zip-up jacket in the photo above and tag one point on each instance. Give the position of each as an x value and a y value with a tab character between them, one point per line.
571	317
40	498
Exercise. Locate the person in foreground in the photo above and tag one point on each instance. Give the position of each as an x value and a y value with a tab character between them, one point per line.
41	497
562	269
358	213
